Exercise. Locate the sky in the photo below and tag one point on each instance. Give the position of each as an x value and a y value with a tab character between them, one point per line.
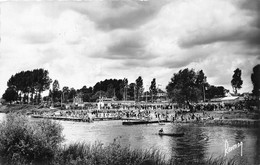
83	42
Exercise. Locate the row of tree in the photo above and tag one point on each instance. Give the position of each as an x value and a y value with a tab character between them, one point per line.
185	86
27	86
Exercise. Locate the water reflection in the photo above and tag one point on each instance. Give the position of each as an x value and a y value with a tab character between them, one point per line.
257	149
239	136
190	147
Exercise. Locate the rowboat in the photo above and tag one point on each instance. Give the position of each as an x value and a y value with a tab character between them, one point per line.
171	134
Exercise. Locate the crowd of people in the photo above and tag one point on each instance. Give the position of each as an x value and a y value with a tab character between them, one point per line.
170	112
179	115
192	107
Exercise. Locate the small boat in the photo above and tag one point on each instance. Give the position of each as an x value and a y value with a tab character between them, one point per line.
171	134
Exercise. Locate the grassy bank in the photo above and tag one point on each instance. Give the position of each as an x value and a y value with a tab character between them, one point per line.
23	142
22	108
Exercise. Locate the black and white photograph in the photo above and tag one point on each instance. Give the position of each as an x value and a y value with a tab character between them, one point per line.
130	82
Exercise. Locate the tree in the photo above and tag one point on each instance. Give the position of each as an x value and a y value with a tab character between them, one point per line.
255	78
55	85
98	95
55	93
10	94
125	86
86	92
103	86
183	87
110	92
215	92
131	91
200	82
72	94
153	90
40	82
236	81
139	87
31	83
65	94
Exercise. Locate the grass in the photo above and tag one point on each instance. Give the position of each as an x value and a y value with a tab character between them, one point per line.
115	154
38	143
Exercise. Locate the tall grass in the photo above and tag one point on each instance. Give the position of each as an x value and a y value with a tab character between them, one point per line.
37	143
23	142
114	154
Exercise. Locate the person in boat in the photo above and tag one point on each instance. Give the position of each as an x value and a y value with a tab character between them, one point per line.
161	130
173	119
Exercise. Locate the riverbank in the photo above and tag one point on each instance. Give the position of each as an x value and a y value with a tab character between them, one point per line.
23	108
235	122
232	118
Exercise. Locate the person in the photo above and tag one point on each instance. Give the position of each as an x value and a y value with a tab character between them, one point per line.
161	130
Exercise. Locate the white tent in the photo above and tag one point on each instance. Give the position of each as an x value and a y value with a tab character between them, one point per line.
229	99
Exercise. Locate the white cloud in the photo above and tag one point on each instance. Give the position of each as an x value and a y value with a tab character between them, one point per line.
81	43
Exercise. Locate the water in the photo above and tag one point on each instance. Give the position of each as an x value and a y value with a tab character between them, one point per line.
198	142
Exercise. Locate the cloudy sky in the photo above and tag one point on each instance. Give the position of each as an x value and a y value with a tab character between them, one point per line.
81	43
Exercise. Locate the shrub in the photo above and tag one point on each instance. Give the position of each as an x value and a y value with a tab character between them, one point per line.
24	142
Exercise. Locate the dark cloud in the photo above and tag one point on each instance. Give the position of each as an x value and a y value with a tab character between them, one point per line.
253	37
252	5
248	34
252	8
185	58
132	18
128	46
116	4
208	37
122	14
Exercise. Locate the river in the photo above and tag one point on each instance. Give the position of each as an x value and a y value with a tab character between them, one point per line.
199	142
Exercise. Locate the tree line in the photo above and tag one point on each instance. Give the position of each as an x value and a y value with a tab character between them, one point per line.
27	86
185	86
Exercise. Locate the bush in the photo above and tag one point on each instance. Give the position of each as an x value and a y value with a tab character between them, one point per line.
24	142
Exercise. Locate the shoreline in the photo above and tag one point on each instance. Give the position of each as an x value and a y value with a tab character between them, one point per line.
237	118
234	122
